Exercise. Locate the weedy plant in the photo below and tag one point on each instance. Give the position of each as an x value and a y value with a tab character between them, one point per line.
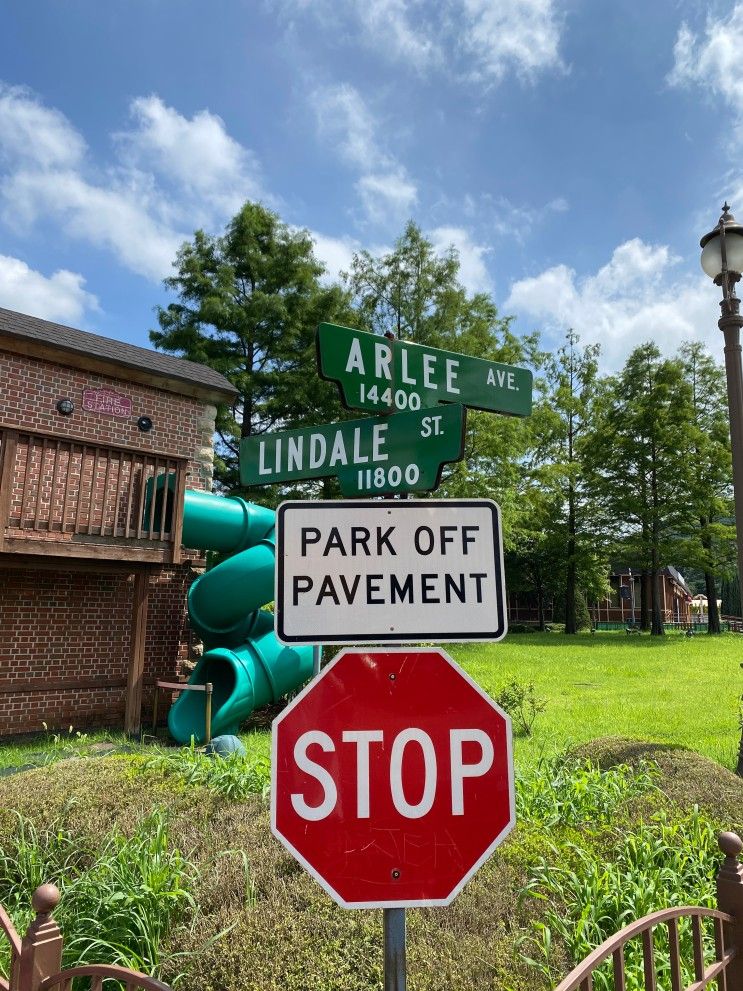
591	890
236	776
570	792
522	704
118	901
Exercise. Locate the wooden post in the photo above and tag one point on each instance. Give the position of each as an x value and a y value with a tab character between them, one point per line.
135	677
730	900
208	712
155	700
41	949
176	525
7	472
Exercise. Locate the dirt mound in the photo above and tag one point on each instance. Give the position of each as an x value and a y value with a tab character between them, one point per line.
687	778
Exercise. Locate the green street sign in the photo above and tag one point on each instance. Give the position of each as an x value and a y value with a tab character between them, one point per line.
379	375
404	452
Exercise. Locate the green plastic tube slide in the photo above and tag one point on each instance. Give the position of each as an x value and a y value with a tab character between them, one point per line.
244	661
253	674
221	603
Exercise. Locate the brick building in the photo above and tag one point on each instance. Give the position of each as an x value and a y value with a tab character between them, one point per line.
617	606
92	584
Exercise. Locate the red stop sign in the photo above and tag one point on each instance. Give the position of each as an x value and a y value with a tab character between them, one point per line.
392	778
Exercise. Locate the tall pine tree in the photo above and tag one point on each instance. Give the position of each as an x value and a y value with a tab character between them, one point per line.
712	540
249	302
641	460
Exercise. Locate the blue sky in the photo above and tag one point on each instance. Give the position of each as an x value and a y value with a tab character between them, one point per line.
574	152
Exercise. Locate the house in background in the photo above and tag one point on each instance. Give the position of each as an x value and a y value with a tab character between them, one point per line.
617	607
626	589
92	588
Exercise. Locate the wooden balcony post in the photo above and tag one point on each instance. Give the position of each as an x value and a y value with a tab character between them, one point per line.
730	900
41	949
135	677
176	526
7	471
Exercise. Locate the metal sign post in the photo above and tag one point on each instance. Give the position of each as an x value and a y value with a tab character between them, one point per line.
395	964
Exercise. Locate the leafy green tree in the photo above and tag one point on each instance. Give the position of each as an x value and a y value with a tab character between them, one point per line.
415	294
575	401
640	462
249	302
712	542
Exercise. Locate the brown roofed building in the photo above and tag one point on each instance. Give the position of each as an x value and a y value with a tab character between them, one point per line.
92	604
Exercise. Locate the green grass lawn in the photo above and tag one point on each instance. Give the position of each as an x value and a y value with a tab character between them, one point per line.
674	689
262	922
671	690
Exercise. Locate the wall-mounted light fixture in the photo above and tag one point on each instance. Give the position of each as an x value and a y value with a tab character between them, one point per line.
66	407
145	424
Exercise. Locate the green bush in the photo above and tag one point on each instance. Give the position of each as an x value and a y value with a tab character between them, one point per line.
522	704
235	775
667	862
569	791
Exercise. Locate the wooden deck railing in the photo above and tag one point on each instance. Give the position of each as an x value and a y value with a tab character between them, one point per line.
36	960
726	967
65	489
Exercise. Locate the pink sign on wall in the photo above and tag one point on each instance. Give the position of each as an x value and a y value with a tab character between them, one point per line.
105	401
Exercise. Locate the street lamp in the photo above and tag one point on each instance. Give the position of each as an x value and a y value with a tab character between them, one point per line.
722	260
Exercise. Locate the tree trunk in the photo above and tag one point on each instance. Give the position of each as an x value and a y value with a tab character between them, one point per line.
656	629
710	590
713	613
644	602
571	621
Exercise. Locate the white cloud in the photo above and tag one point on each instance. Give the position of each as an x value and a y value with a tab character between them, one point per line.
471	40
31	132
387	197
473	272
122	217
635	297
60	296
344	120
510	35
172	174
399	28
386	192
197	154
713	61
336	253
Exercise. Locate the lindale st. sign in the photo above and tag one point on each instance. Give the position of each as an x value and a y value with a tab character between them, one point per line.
404	452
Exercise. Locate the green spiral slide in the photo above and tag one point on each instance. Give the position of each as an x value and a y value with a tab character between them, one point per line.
242	658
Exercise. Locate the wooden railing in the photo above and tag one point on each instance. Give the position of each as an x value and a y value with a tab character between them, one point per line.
36	960
726	967
64	490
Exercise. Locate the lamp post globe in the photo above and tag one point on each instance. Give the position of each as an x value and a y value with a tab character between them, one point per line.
722	260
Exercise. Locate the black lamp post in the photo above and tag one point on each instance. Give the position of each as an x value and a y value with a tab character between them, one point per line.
722	260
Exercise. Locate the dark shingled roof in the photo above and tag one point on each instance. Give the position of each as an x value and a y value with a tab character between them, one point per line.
78	342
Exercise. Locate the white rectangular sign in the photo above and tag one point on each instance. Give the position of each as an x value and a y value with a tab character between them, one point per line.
401	571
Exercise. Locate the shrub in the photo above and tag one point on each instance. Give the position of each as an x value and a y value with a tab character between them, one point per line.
235	775
522	704
570	791
663	863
